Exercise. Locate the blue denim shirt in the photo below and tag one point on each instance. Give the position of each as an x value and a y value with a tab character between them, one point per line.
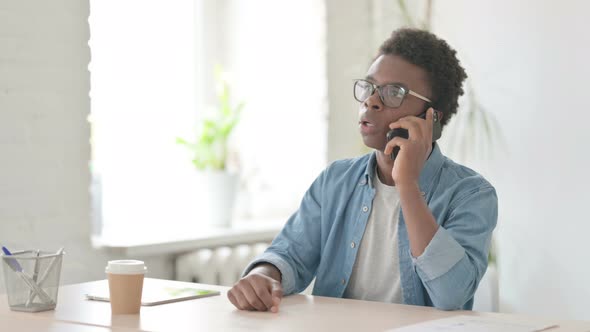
316	240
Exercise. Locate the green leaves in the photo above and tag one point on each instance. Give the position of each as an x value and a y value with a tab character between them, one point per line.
210	148
409	21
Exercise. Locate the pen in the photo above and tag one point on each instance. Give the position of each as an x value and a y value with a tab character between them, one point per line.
50	266
36	269
35	275
46	273
15	266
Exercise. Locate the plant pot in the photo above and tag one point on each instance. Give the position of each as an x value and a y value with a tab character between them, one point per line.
217	194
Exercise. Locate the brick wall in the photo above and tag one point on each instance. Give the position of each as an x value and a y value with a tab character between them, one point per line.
44	132
44	136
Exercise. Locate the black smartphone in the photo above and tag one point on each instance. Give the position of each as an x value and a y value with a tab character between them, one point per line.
403	133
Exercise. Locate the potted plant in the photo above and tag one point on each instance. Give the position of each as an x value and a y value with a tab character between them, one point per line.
216	184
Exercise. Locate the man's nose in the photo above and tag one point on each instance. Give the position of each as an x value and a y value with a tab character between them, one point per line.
374	102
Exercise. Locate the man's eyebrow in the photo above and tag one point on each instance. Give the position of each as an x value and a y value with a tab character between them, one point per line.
371	78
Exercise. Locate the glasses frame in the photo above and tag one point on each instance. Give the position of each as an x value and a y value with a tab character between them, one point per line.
379	88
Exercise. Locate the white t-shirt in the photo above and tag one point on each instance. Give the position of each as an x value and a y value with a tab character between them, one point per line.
375	274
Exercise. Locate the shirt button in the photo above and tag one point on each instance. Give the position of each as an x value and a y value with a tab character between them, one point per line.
342	281
422	193
363	182
352	244
365	208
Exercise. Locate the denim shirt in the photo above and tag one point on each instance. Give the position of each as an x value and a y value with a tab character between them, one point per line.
321	239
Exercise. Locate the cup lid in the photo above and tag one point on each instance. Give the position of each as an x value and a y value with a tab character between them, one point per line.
126	266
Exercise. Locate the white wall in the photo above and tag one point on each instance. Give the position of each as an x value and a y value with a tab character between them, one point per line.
348	45
529	69
44	146
354	32
529	64
44	134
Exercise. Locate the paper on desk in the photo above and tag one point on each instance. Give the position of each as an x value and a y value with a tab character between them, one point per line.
473	324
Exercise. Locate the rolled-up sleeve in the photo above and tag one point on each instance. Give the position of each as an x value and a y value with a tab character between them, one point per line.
440	255
456	258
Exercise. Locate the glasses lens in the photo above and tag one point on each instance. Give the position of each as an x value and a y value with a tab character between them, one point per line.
392	95
362	90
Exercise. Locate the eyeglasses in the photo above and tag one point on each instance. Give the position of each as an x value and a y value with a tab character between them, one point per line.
391	95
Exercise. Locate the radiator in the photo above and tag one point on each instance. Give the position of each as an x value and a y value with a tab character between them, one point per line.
218	266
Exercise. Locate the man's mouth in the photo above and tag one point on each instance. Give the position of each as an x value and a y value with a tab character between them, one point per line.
367	128
366	123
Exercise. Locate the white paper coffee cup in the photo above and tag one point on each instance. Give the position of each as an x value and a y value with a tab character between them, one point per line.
125	285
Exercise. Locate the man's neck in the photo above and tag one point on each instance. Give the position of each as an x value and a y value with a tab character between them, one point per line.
384	168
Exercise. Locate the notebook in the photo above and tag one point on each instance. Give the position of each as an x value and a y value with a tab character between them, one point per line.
155	295
463	323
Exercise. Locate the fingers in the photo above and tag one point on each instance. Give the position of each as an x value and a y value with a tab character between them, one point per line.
277	295
256	292
251	296
238	300
396	141
245	290
232	298
430	117
262	289
277	290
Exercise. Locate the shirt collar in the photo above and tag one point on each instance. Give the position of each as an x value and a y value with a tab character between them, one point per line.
429	171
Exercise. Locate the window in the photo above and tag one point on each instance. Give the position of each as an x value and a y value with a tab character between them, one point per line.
151	70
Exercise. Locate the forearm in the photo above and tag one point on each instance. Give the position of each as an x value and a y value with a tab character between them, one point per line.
450	259
268	270
451	290
419	220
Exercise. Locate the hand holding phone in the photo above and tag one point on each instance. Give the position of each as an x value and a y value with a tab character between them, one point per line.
403	133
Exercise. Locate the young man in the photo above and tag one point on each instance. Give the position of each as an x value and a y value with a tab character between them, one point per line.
413	230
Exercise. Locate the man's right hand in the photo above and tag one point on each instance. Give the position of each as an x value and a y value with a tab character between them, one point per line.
259	290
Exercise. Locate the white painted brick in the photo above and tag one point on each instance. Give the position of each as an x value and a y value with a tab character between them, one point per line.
44	133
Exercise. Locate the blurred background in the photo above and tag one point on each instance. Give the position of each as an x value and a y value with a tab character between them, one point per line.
110	116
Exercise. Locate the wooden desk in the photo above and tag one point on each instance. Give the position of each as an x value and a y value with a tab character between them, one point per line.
32	324
297	313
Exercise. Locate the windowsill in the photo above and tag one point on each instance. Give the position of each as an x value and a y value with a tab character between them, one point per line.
172	244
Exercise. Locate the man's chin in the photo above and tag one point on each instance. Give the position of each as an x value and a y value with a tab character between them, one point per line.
374	143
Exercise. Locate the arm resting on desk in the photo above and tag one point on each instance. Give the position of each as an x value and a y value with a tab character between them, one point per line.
296	249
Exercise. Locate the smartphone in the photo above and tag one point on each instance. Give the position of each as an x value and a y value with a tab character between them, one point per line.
401	132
